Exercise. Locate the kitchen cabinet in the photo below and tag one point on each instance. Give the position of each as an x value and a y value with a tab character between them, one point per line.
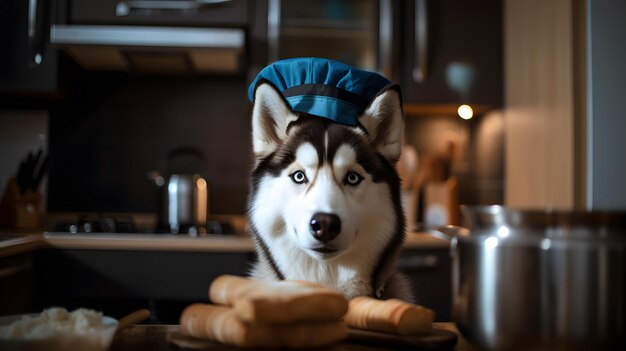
155	37
429	273
142	12
455	58
341	30
16	284
456	55
119	281
357	32
28	64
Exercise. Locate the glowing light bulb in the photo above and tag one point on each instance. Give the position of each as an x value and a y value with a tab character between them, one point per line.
465	112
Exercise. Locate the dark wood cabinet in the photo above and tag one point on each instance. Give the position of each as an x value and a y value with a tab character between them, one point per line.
185	13
120	281
459	53
429	273
462	54
28	64
16	284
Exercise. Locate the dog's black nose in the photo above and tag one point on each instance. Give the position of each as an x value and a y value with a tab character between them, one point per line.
325	226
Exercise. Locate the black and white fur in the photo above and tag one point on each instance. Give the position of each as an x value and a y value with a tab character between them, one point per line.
306	167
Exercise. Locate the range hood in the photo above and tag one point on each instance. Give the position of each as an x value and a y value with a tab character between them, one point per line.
161	50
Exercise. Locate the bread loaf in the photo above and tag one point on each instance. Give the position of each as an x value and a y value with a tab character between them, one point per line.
226	289
221	324
391	316
280	302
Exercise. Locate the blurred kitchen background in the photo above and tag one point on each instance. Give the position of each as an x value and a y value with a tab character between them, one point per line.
109	88
516	102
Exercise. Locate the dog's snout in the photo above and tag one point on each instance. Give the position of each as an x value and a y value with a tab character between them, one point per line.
325	226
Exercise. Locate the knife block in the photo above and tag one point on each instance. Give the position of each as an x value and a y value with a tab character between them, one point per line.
17	210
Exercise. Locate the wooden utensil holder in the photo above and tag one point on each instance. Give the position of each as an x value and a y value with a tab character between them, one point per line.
442	200
17	210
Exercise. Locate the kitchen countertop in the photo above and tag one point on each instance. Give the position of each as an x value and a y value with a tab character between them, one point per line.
11	244
155	338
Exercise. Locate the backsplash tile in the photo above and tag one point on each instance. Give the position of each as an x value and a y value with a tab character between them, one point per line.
103	142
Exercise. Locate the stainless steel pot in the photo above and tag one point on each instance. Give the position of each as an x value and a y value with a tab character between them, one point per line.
184	197
533	280
184	204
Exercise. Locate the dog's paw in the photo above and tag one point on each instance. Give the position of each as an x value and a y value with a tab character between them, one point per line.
356	288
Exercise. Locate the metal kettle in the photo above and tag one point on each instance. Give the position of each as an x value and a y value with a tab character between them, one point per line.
184	193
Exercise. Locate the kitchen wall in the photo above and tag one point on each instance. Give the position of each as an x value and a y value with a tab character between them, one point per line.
539	97
114	128
564	104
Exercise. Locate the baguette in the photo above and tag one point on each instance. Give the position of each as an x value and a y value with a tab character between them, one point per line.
278	302
221	324
391	316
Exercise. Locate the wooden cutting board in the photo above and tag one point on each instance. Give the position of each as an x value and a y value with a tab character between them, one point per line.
436	339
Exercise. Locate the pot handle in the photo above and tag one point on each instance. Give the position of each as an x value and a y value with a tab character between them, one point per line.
190	151
195	161
447	232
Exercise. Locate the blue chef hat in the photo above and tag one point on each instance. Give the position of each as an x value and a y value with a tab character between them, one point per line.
323	87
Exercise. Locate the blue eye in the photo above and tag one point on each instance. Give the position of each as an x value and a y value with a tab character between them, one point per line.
353	178
299	177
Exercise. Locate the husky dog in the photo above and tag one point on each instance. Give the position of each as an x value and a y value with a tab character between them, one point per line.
325	197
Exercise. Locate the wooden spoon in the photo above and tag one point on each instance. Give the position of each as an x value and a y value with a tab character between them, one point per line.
132	318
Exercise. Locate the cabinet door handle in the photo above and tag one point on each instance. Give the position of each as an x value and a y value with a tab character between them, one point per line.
34	45
385	37
420	66
124	8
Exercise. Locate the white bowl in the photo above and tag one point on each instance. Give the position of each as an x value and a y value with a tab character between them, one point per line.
99	339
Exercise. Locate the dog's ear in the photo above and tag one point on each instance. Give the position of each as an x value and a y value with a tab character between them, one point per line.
270	118
384	123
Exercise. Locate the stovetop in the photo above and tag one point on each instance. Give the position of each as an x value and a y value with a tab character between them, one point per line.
103	224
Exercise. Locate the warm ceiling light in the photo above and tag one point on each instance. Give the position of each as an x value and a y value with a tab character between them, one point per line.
465	112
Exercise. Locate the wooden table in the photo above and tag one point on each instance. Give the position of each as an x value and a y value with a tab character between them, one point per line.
155	338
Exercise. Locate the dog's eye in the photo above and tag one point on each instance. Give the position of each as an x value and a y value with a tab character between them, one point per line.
353	178
299	177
